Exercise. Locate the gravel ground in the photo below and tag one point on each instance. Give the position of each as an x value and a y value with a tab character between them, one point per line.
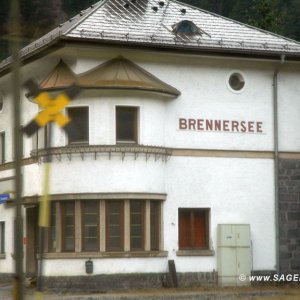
253	293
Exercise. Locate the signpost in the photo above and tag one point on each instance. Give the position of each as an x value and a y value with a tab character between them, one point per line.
4	198
52	112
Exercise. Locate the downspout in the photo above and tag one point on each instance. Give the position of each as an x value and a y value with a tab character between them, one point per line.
276	158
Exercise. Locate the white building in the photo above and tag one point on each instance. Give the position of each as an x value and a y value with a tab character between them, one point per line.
186	121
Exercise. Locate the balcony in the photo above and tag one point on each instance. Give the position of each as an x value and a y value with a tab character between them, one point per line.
121	150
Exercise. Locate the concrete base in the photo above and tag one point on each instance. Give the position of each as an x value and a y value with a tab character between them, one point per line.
101	283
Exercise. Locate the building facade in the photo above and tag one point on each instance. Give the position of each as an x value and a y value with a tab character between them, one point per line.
186	147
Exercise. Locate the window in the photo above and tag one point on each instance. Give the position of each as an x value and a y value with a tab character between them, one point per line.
126	124
52	229
236	82
114	226
154	225
1	101
68	226
90	225
118	226
185	26
2	237
79	132
40	140
2	147
137	212
193	228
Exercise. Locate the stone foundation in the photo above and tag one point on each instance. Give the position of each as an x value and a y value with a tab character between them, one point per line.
289	216
6	277
103	283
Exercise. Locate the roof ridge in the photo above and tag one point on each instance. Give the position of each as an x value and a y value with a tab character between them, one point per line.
238	22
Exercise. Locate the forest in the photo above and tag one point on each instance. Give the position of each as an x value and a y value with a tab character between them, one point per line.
40	16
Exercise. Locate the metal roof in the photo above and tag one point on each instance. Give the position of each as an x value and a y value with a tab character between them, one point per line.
60	77
151	23
118	73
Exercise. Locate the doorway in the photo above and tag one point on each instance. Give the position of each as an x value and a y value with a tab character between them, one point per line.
31	240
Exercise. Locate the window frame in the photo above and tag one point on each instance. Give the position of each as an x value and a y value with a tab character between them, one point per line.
63	226
87	140
157	205
191	228
136	110
53	207
122	227
124	249
3	147
2	237
82	212
143	225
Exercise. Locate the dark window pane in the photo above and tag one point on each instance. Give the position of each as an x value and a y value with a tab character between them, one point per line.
69	219
114	243
91	231
135	243
193	228
199	229
91	244
90	219
114	226
136	225
52	229
154	225
90	223
69	244
80	124
126	124
184	229
2	237
68	226
2	147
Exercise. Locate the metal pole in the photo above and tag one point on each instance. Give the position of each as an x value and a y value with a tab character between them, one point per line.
276	159
18	149
44	213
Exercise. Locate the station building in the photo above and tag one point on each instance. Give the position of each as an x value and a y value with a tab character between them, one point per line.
186	148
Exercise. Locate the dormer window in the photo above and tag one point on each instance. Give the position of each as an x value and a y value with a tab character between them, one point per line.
186	27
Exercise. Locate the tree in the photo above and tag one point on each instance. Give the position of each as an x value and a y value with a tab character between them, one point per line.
267	14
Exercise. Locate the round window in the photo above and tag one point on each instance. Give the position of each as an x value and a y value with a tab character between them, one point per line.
236	81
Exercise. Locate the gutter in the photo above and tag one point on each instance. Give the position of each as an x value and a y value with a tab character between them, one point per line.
276	158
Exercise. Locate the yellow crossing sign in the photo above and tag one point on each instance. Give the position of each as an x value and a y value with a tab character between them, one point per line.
52	108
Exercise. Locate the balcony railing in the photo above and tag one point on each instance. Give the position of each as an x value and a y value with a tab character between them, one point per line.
122	150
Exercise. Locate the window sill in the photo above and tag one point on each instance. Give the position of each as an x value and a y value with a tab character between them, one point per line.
195	252
2	255
130	142
86	255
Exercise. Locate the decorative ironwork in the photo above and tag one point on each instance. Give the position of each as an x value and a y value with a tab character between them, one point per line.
123	150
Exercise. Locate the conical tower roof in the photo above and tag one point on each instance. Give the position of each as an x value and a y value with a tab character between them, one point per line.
121	73
60	77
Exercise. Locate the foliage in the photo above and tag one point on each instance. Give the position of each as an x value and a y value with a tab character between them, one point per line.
266	14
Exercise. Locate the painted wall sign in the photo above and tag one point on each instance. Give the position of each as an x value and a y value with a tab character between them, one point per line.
3	198
220	125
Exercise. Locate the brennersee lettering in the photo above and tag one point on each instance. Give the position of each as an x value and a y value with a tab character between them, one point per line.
221	125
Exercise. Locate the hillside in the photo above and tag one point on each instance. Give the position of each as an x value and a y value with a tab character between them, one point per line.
279	16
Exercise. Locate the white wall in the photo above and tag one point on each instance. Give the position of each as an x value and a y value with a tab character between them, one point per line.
7	215
237	190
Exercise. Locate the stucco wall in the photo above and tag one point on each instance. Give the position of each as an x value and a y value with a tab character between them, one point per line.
237	190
